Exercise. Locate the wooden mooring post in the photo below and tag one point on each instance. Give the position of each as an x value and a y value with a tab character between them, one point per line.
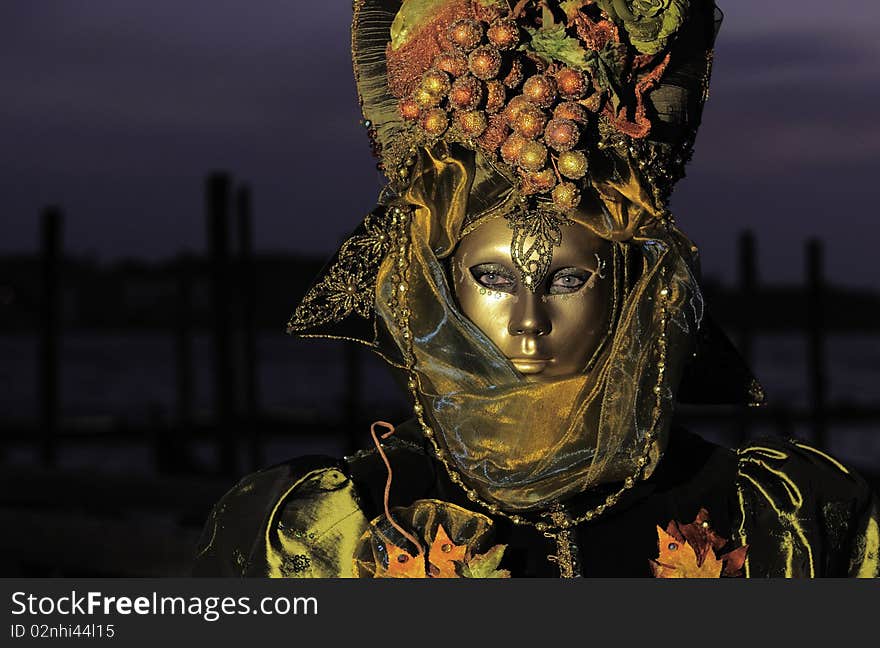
218	189
50	334
248	302
816	342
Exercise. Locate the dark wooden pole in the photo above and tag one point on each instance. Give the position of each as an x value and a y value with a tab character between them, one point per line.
51	253
183	346
748	286
248	301
816	341
218	207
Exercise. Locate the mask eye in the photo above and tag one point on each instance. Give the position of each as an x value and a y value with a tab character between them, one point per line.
568	280
494	277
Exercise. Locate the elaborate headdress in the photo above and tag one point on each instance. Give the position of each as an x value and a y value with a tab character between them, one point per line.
545	113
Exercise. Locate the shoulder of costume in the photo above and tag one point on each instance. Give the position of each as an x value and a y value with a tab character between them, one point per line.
241	515
805	513
304	498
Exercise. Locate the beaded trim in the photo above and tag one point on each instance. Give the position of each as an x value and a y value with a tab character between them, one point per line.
399	306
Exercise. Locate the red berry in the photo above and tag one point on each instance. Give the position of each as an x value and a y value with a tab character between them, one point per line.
511	148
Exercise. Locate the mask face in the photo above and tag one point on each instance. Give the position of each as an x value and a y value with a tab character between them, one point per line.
553	331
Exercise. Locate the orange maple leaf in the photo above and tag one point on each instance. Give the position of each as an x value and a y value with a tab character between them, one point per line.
690	551
443	555
401	564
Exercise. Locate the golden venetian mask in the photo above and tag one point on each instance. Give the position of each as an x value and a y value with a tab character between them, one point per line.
547	331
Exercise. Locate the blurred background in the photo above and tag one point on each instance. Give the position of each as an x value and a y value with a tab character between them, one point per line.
175	174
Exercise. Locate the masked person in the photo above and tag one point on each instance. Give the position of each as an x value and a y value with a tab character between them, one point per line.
524	277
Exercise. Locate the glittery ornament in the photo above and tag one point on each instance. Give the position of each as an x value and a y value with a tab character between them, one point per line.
566	196
540	182
435	121
529	121
573	111
409	109
466	93
495	134
484	62
435	81
426	98
453	63
511	148
503	34
540	90
532	156
572	164
472	122
571	84
561	134
465	34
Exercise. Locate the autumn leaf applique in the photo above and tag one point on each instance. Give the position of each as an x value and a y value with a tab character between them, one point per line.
692	551
486	565
445	559
444	554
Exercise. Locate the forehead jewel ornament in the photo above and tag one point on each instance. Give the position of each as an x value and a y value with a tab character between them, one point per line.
545	90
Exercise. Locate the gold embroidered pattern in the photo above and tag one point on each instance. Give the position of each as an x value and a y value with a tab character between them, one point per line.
535	234
350	284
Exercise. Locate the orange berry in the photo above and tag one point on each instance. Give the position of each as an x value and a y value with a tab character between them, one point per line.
503	34
435	82
409	109
562	134
465	34
540	90
566	197
573	111
484	62
466	93
453	63
511	148
495	134
529	121
539	182
572	84
435	121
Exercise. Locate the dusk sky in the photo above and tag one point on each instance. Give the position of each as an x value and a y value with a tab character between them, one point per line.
116	110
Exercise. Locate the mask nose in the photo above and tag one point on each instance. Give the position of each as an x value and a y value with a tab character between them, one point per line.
529	317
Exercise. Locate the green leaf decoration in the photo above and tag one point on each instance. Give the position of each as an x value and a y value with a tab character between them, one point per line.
649	23
554	43
571	7
486	565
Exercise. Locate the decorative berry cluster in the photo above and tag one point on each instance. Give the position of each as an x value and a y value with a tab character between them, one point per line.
532	113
